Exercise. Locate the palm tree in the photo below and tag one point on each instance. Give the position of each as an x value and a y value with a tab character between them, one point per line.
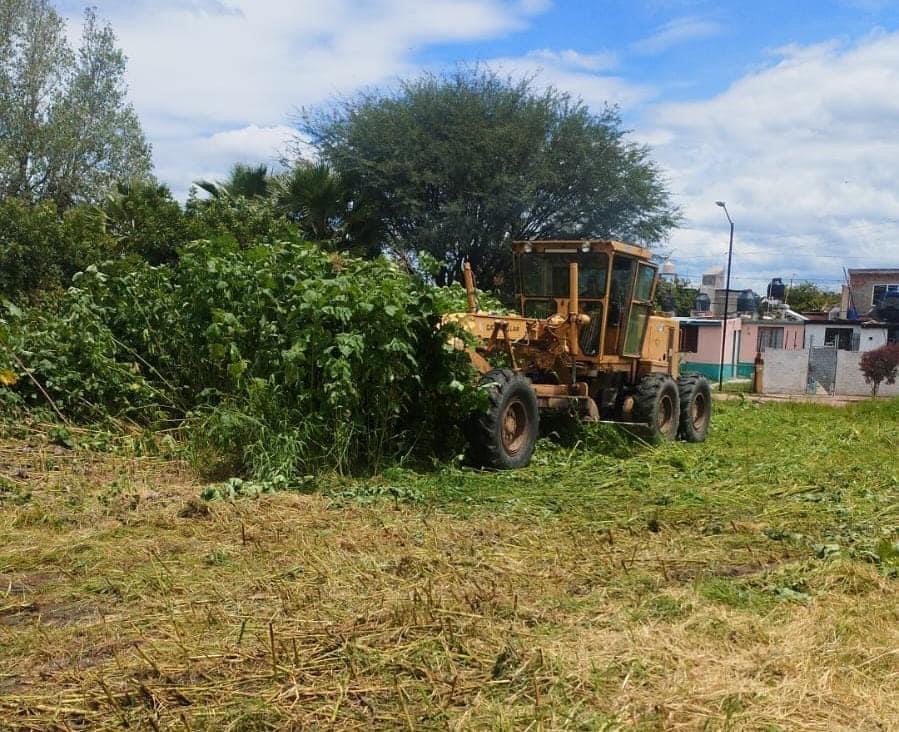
319	200
244	181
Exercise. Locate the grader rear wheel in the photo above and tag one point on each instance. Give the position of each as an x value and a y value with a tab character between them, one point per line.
657	405
504	436
695	407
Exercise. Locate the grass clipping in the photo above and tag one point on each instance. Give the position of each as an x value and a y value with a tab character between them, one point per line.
679	587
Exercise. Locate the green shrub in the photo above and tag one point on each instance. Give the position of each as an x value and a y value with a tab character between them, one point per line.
281	358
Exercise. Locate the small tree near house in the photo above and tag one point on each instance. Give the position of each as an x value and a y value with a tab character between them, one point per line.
879	365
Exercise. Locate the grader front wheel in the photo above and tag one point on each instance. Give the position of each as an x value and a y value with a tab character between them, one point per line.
504	436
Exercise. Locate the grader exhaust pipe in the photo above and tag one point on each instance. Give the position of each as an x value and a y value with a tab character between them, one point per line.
470	291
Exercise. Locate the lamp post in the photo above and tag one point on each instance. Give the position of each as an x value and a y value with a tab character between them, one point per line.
730	253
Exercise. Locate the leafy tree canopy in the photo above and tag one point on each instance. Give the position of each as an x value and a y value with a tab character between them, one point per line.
67	131
879	365
452	162
678	293
807	296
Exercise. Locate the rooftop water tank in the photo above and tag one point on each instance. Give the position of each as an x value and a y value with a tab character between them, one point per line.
668	303
746	302
702	303
777	290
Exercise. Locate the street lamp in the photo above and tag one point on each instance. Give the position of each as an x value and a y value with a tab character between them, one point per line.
730	253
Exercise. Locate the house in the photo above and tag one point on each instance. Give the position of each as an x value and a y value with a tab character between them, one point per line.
851	335
868	316
866	290
770	334
747	338
700	347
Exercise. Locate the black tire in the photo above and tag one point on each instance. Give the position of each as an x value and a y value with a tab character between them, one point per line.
503	437
657	405
695	407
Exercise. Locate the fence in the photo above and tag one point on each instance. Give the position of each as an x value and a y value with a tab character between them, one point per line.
824	370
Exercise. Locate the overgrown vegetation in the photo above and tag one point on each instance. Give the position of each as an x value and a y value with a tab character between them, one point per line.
281	358
745	583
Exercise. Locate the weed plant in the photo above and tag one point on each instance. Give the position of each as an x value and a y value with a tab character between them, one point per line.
279	359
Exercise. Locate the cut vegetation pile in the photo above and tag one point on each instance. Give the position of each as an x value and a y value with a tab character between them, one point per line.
746	583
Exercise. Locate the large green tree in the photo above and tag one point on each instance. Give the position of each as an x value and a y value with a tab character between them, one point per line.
452	162
807	296
67	131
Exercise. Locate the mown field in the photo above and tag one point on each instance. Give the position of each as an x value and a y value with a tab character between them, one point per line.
748	583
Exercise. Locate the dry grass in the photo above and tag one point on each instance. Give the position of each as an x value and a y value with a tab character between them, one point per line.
500	602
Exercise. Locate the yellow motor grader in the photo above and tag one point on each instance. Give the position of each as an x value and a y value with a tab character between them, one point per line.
585	339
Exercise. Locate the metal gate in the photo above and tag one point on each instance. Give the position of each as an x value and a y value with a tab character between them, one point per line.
822	370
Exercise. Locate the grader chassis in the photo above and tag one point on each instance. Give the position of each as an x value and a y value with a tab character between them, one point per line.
585	339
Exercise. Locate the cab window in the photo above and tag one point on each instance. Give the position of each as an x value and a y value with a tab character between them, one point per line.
546	275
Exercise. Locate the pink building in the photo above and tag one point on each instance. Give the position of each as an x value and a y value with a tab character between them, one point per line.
701	344
762	335
700	349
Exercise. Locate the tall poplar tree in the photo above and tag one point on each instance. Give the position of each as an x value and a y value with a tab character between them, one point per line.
67	130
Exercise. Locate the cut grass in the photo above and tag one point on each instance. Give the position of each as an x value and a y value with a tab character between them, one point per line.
726	585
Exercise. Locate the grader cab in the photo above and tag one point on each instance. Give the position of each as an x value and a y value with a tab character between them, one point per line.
584	339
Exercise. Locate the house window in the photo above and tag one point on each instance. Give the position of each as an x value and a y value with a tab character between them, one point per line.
770	339
689	339
840	338
881	290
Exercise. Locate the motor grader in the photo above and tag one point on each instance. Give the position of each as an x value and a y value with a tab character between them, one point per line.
585	339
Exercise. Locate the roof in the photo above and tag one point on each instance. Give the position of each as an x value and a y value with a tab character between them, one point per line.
596	245
884	270
836	321
705	321
764	322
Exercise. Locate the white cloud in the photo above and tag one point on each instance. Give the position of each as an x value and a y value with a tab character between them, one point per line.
253	140
240	68
804	151
580	74
602	61
676	32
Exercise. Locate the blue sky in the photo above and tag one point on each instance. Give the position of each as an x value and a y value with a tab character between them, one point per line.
787	110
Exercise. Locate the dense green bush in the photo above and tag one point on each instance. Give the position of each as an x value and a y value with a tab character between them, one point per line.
41	250
280	358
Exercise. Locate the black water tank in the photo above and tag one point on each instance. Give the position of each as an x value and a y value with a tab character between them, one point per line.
746	302
777	290
668	303
702	303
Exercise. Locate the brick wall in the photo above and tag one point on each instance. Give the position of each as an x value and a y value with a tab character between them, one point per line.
851	382
786	372
863	287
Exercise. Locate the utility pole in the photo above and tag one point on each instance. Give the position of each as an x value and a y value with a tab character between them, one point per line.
730	253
